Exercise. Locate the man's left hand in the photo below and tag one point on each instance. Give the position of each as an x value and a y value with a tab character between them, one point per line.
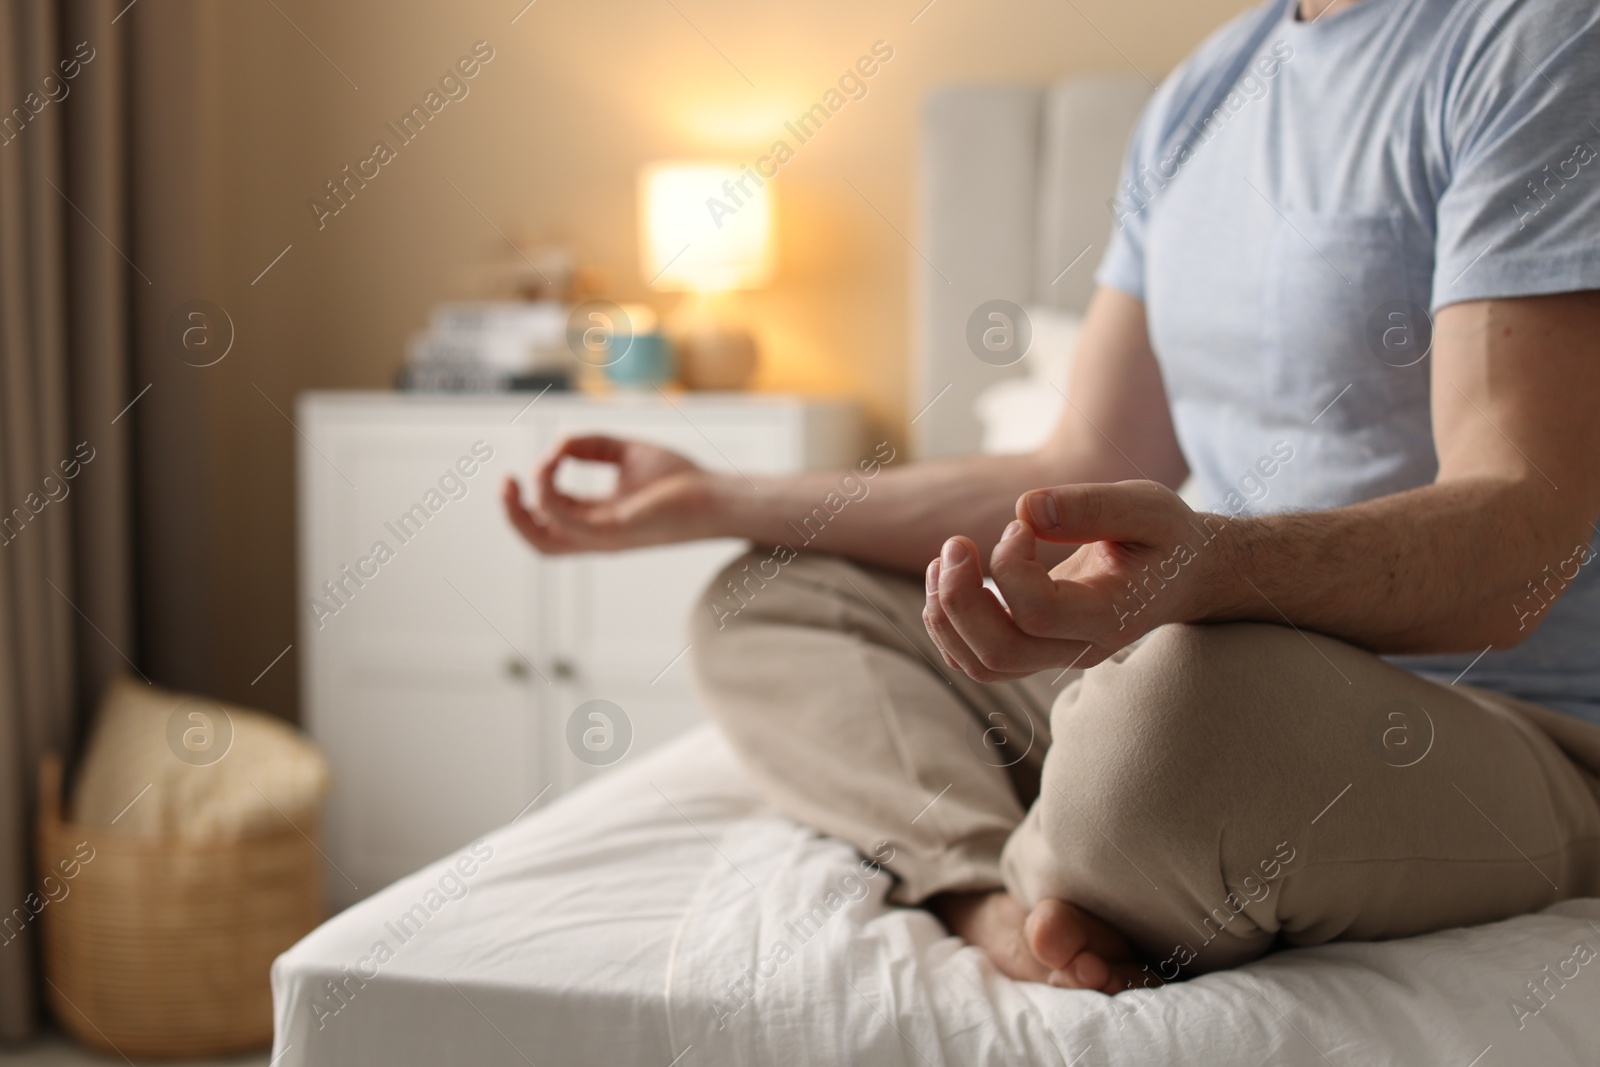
1146	558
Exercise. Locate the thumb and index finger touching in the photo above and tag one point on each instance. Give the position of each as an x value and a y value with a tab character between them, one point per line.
1081	514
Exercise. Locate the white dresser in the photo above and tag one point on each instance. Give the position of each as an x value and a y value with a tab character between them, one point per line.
443	658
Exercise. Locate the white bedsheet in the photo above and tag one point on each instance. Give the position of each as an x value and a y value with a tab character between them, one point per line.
610	927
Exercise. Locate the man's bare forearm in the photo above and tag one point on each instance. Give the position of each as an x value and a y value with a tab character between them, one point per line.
908	510
1449	567
898	516
1475	559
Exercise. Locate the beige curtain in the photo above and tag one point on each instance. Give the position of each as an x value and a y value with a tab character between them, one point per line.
66	603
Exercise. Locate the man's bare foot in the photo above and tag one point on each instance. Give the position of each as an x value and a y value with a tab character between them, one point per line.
1056	943
1081	951
993	921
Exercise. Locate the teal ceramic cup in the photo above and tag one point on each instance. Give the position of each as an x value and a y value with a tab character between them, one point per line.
647	362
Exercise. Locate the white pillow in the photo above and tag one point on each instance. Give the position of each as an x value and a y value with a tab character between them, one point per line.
1018	414
1055	337
265	773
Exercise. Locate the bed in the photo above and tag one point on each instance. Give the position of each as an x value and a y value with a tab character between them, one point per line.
664	916
636	922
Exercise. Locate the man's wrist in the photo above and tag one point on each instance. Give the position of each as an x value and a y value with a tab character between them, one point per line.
729	508
1225	591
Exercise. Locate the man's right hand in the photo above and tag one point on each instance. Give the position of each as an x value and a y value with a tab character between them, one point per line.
660	498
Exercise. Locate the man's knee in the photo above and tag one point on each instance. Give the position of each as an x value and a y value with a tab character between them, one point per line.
1153	716
1164	786
777	585
1193	729
737	587
747	620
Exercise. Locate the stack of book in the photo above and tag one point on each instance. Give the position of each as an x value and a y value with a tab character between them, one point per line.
490	347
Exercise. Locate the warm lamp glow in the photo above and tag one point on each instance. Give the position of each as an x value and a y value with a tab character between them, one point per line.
706	227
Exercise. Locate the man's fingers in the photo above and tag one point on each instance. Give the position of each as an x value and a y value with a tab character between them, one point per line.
572	510
954	650
933	617
594	448
990	645
536	533
1039	604
956	653
1025	583
546	493
544	479
516	511
1133	512
599	447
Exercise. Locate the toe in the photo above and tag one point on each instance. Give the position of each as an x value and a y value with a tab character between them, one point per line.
1090	971
1053	933
1085	971
1081	951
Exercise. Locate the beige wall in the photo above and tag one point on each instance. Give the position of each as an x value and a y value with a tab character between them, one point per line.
579	95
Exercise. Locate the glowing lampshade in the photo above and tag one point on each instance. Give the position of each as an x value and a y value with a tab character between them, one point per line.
706	227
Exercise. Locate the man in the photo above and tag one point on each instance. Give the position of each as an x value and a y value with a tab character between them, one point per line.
1176	741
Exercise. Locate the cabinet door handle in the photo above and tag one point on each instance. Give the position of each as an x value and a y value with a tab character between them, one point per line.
517	669
564	669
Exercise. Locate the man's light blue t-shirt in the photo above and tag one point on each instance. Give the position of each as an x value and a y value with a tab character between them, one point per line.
1290	228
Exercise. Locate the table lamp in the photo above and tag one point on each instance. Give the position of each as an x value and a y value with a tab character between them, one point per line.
706	230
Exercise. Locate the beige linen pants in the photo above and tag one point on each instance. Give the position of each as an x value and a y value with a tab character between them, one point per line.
1209	792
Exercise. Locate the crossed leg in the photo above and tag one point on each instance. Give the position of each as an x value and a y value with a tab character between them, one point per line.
1217	790
839	705
1208	793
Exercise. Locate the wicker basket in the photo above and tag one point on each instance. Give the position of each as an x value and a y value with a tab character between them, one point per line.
162	949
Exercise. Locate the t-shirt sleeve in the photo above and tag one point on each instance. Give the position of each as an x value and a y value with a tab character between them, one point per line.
1519	214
